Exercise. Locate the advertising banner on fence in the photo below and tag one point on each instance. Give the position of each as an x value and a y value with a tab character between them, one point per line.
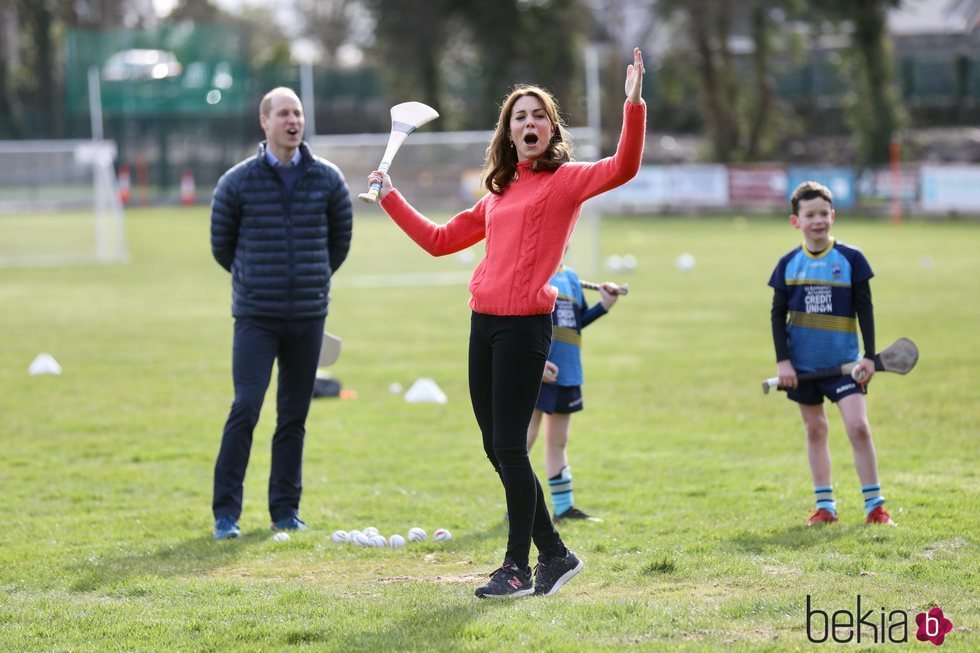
840	181
951	188
671	186
648	189
758	186
705	185
887	184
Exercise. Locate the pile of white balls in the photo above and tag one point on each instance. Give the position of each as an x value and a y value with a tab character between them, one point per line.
372	538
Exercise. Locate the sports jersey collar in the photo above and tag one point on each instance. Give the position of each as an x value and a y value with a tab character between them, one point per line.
826	250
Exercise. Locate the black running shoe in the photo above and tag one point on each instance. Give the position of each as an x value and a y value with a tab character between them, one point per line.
552	573
508	582
575	513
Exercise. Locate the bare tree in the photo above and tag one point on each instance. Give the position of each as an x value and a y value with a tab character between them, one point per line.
31	68
737	90
11	107
619	26
39	22
332	24
419	47
526	42
764	84
707	25
875	112
409	38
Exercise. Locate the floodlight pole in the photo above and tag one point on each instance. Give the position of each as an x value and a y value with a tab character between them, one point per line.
593	96
306	95
95	102
593	108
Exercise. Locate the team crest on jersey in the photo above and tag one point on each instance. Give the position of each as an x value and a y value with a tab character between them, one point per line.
836	271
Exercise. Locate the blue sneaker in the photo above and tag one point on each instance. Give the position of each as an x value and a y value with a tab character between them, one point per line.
289	524
225	528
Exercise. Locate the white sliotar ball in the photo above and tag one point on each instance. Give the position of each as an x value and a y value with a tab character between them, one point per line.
442	535
370	531
281	536
362	540
340	537
395	388
416	534
685	262
378	540
629	262
614	263
396	541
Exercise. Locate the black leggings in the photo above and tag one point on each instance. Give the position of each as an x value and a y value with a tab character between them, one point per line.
507	357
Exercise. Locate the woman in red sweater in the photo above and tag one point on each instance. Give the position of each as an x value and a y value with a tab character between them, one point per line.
535	196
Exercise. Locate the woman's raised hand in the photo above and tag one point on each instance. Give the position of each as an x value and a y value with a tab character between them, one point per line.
634	77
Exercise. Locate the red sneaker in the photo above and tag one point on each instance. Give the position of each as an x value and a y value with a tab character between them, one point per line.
880	516
821	516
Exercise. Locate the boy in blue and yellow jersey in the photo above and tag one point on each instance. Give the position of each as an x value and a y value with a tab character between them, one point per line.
823	288
561	391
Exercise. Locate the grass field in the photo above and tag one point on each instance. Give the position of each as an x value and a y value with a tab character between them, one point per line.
702	481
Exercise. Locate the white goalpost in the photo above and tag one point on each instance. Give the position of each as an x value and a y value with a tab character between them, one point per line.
59	203
439	172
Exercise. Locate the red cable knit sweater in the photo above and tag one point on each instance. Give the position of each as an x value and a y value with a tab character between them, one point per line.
527	226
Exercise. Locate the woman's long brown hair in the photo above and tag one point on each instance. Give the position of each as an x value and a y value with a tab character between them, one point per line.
501	163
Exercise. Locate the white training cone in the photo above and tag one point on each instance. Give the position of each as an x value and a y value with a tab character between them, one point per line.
425	391
44	364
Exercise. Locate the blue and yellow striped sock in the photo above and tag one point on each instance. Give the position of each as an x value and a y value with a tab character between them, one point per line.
561	490
872	497
825	497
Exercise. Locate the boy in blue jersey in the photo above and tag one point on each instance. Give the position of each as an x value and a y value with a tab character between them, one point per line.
561	392
823	288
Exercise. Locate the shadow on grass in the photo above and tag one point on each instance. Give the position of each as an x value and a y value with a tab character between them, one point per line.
492	531
794	538
194	556
497	532
448	627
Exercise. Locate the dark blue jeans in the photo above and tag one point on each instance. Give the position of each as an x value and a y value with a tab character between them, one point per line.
506	359
258	343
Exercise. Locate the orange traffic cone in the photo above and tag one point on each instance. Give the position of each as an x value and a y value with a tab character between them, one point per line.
125	184
188	194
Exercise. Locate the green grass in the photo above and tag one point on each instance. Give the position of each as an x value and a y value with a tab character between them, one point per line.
65	235
702	481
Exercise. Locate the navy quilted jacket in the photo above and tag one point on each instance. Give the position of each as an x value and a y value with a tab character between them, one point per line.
281	253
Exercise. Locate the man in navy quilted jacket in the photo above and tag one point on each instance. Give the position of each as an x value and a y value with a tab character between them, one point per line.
281	223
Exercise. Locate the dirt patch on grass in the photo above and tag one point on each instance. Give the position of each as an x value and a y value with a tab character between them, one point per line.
457	578
942	546
450	579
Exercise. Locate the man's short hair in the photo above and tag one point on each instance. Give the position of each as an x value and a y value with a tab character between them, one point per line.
265	106
809	190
